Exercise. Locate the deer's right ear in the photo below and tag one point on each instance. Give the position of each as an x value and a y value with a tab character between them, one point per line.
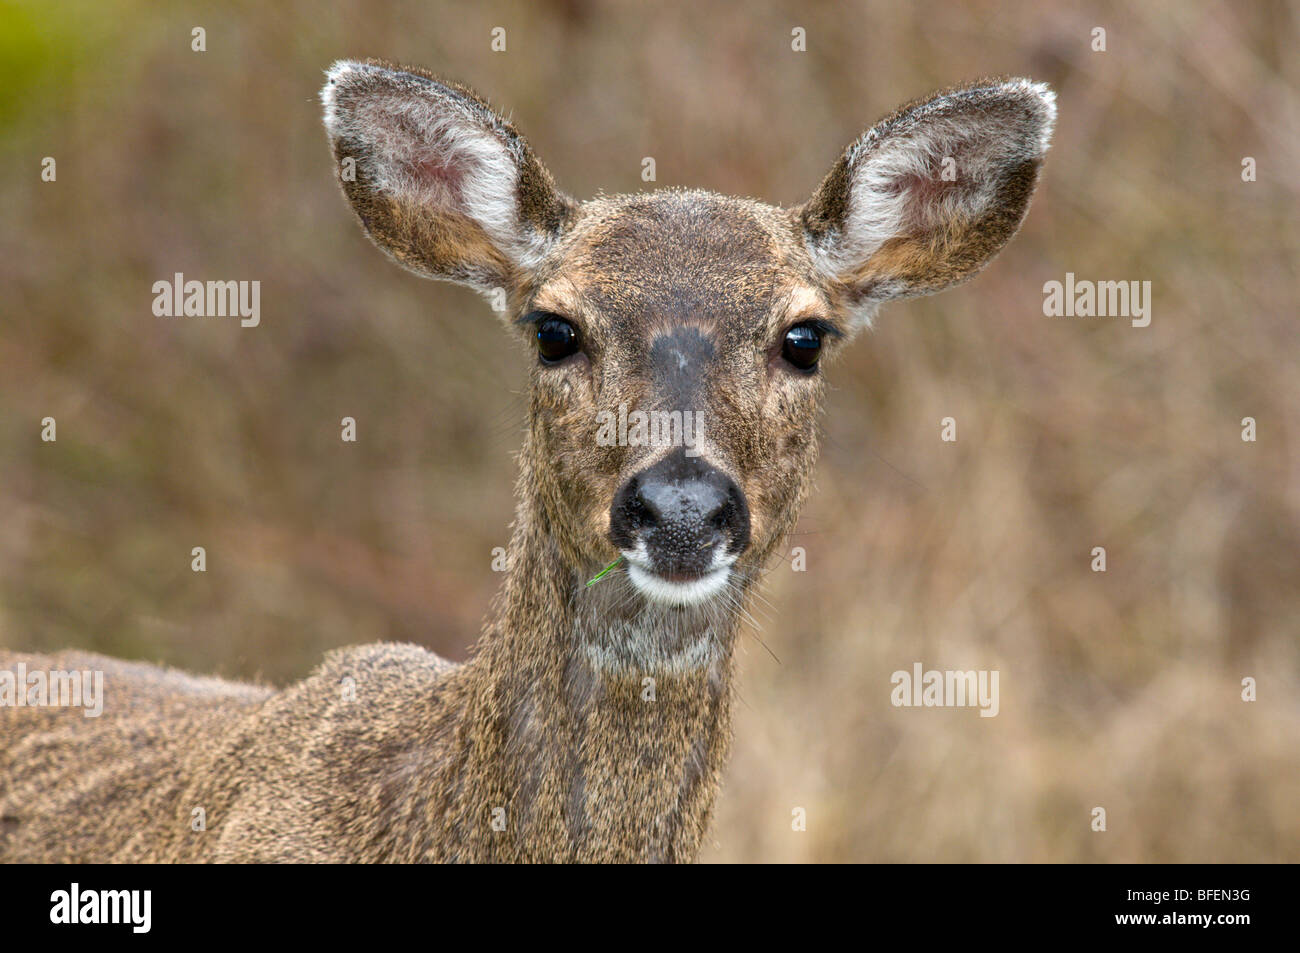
440	182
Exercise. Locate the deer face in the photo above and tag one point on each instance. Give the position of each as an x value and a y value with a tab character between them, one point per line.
676	384
680	335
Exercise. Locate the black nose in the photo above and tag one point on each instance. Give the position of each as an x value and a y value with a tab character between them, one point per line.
685	511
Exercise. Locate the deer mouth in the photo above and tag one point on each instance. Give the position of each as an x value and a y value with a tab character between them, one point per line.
678	588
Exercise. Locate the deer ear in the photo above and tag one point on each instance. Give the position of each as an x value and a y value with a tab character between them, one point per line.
928	196
440	182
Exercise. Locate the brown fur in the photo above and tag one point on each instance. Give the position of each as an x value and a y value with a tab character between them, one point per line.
590	724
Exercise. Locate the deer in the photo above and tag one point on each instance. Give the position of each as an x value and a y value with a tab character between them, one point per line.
591	722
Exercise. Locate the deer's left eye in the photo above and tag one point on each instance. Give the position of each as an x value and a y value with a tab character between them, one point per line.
556	339
802	346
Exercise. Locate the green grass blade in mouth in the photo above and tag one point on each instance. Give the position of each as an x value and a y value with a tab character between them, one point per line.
596	578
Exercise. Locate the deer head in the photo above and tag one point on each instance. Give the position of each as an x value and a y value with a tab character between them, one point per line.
649	309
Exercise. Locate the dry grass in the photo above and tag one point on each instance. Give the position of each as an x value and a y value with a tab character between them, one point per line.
1119	690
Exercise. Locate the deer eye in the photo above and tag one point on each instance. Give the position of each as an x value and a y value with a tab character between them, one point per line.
802	346
556	339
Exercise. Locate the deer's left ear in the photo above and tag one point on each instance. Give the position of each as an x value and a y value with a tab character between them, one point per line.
927	197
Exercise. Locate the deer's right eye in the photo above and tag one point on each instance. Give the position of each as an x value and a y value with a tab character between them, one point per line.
556	339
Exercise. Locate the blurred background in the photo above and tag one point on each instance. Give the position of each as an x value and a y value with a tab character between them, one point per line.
1118	689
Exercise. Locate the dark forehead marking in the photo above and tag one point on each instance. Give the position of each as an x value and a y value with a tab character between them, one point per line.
679	256
680	358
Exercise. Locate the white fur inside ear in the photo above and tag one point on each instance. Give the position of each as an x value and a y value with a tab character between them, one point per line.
429	148
896	169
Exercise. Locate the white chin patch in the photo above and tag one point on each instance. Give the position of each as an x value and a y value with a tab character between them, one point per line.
658	589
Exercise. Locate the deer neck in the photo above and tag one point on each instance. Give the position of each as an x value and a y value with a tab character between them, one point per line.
593	726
